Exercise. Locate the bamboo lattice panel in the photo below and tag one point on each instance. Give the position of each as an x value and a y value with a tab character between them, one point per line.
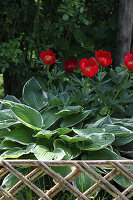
90	168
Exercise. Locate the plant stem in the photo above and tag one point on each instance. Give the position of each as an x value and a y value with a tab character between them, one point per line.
68	38
109	111
85	88
84	95
99	84
49	81
121	87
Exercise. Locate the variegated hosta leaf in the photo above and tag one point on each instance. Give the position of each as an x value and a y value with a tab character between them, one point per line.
117	130
83	182
63	131
7	118
103	121
73	139
86	132
70	150
33	94
49	117
45	134
22	135
9	101
28	116
102	154
97	141
69	110
75	118
16	152
43	153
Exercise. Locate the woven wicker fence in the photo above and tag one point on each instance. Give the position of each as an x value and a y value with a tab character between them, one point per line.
104	182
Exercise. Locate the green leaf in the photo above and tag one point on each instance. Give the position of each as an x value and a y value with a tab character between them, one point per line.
127	147
86	132
45	134
71	151
33	94
11	98
7	118
16	152
79	35
81	10
129	109
117	130
102	154
104	110
65	17
69	110
63	171
103	121
6	114
97	141
45	142
83	182
122	140
4	130
9	144
73	139
43	153
22	135
63	131
128	122
75	119
86	22
49	117
10	180
64	98
28	116
48	134
10	101
122	180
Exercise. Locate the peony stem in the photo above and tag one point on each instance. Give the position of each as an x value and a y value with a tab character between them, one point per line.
85	88
99	84
49	81
121	87
84	95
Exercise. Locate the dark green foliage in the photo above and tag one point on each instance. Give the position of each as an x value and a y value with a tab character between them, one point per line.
70	28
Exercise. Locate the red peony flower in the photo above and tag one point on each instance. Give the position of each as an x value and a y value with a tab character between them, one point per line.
71	65
128	60
132	50
103	58
89	67
48	57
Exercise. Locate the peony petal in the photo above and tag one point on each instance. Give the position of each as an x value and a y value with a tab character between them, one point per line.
103	58
48	53
71	65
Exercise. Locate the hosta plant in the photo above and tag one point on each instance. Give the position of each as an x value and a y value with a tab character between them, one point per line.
46	126
71	116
